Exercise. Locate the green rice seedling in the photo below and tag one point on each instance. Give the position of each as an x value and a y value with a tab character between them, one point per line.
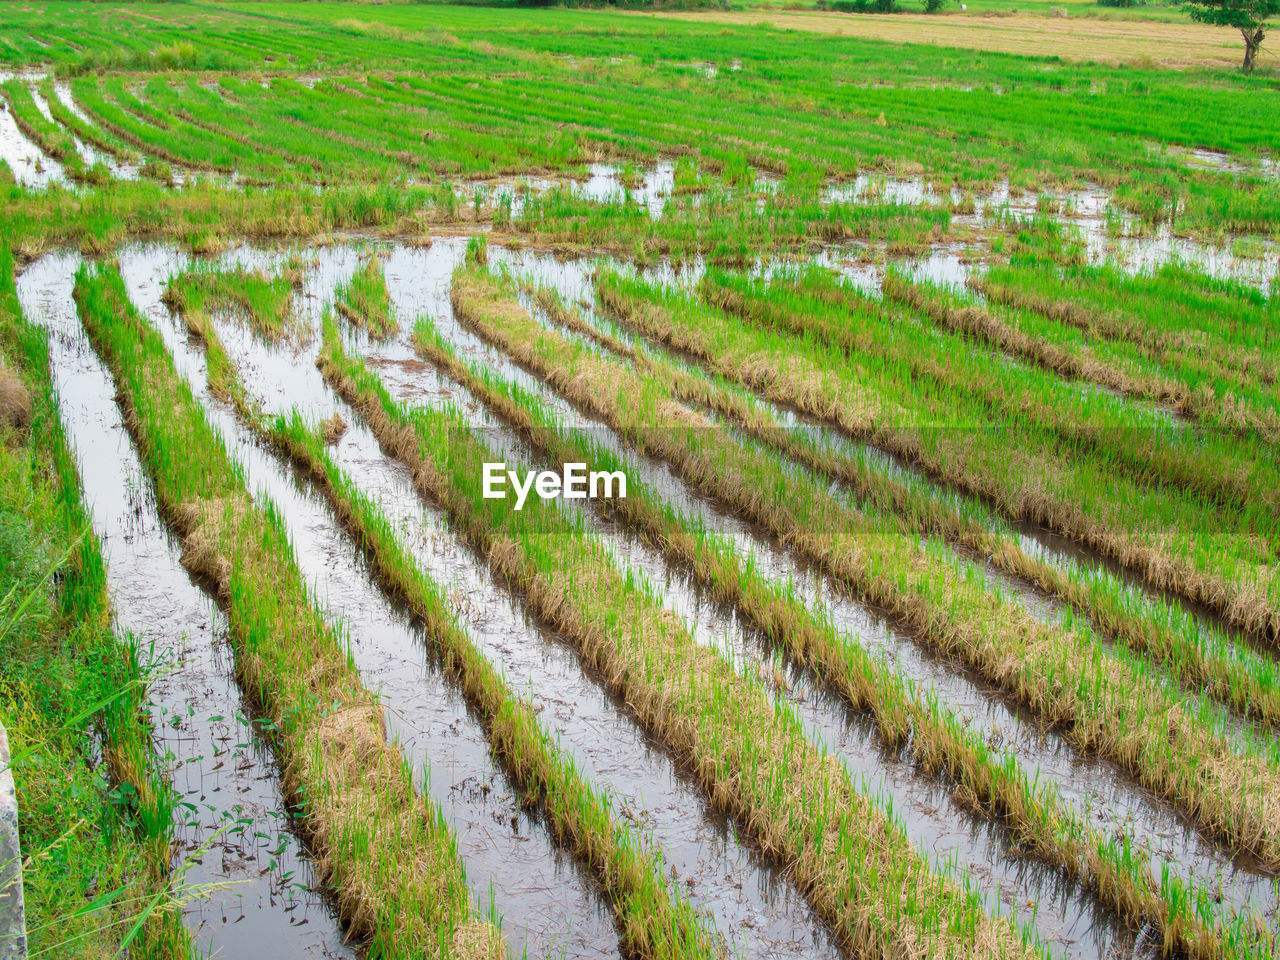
265	301
388	855
150	140
938	742
1157	531
751	757
722	226
365	302
1065	673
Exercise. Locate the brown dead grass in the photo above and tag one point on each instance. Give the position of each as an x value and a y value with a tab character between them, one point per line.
333	429
1077	39
15	401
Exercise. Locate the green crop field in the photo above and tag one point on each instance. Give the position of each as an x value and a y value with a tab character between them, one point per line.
919	595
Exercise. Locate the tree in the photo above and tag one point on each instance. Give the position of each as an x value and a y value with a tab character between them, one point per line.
1250	17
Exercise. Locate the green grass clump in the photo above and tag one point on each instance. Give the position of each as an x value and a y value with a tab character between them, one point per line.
365	302
265	301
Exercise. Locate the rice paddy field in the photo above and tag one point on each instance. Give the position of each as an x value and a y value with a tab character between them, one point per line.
941	614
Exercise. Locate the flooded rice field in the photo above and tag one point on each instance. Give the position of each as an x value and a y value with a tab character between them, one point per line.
1110	234
236	827
923	599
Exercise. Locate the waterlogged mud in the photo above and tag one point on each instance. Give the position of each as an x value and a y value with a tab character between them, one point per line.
650	188
1199	158
1111	235
233	826
545	903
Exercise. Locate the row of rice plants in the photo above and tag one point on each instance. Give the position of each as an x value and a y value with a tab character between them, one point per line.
652	113
389	856
48	136
752	757
73	692
723	227
242	109
163	137
76	125
1080	424
212	107
975	772
376	146
656	922
1199	654
1163	535
1066	351
1216	341
1067	675
1175	308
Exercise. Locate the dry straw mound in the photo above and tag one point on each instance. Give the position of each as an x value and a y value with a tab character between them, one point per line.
15	401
